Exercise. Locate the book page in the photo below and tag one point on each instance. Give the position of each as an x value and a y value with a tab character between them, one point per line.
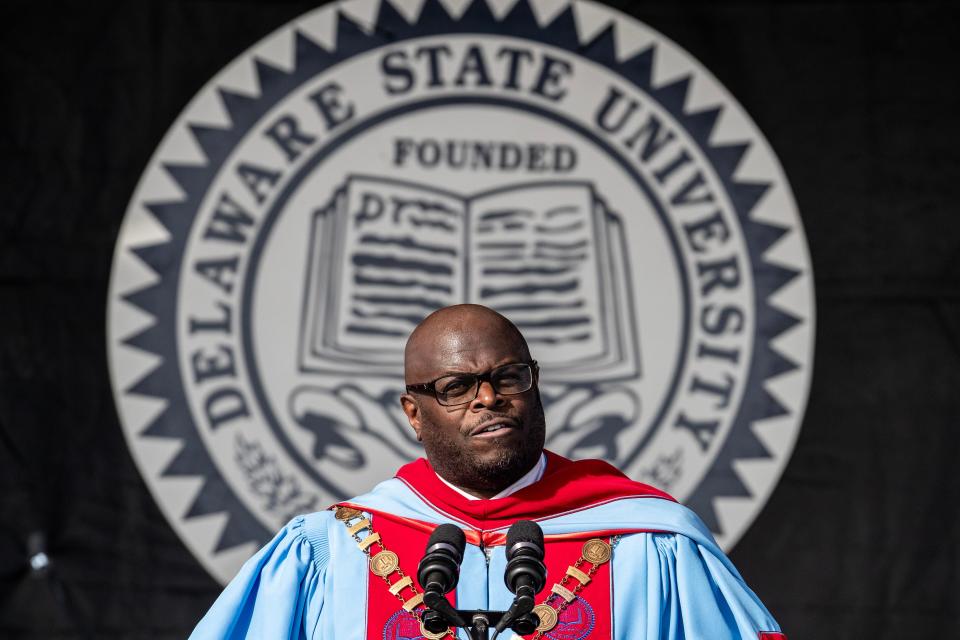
401	258
317	298
534	258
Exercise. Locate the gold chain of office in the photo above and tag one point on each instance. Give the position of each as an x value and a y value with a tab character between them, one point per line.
386	564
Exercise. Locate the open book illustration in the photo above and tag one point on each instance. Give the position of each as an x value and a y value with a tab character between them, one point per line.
548	255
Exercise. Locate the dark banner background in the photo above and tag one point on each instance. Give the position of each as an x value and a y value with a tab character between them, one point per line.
860	102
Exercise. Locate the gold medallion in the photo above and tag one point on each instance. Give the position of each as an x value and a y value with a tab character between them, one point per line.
384	563
548	617
346	513
430	635
596	551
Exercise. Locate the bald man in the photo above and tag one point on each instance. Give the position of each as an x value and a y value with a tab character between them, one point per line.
624	560
481	441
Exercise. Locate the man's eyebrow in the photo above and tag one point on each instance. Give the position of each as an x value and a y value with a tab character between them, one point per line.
457	372
453	372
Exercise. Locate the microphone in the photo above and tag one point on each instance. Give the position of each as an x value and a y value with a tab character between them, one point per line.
525	574
439	570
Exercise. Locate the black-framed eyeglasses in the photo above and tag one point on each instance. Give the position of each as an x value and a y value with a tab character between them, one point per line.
461	388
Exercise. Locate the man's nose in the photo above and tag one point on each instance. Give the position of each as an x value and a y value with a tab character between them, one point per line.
487	396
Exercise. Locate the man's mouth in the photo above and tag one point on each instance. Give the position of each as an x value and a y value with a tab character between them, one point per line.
494	428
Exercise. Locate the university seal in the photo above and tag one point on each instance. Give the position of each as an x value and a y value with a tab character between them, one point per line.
373	161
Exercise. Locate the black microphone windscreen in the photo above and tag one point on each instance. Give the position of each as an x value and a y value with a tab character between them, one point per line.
439	569
524	531
448	534
525	573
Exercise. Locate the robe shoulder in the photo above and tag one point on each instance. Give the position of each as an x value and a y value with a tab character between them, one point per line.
278	593
678	584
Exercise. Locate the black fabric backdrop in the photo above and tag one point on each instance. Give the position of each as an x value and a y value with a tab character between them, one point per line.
860	102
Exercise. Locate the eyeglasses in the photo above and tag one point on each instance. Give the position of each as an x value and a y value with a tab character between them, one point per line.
461	388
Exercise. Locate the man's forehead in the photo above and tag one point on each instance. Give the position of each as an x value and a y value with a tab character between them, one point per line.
458	338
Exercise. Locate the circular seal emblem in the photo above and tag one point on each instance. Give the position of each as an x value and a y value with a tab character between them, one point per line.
575	622
373	161
403	625
384	563
596	551
547	615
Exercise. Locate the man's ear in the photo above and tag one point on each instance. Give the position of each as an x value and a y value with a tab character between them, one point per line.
412	409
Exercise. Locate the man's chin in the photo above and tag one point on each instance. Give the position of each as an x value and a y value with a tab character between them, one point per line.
491	463
503	460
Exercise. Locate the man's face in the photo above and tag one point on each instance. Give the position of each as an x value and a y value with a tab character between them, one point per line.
454	437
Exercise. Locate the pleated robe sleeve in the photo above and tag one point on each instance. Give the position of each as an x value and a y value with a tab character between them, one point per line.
670	587
278	593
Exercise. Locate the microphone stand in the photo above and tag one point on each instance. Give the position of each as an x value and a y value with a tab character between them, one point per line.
440	615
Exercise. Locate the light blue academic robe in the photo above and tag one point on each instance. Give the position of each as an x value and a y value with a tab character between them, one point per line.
310	581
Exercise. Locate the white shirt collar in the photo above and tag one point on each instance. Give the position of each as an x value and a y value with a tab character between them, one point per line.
526	480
